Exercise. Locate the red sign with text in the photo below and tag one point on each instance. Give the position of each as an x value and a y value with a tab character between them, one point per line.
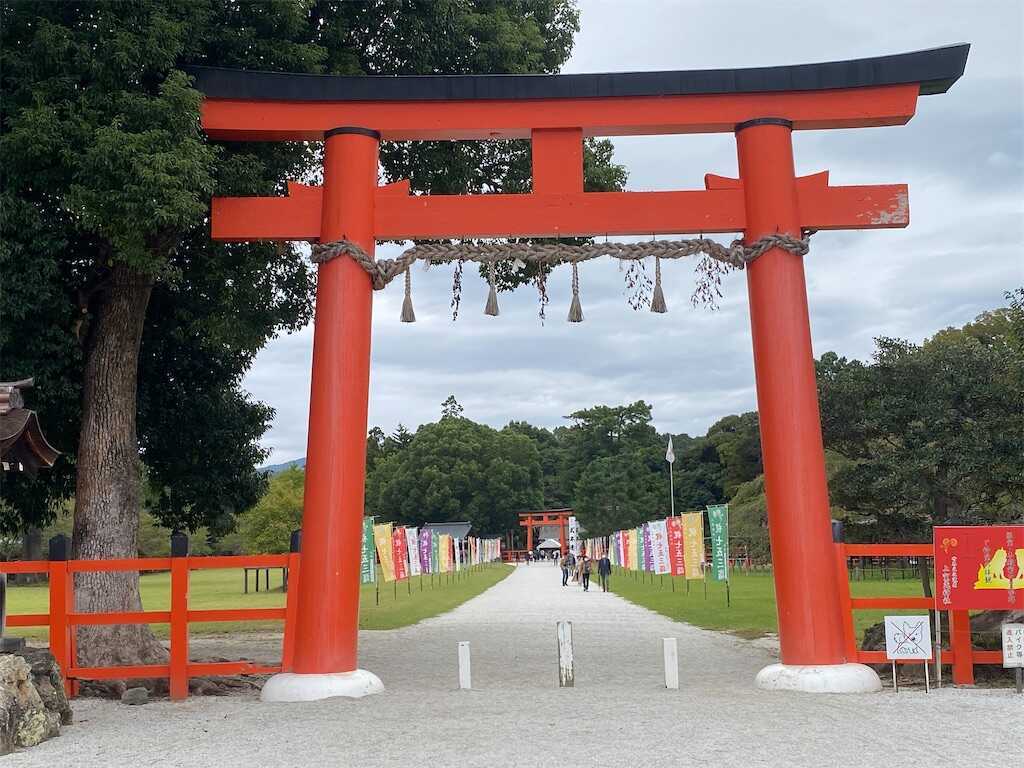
979	567
400	551
675	546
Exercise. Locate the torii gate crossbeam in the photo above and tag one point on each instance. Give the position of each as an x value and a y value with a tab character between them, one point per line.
760	106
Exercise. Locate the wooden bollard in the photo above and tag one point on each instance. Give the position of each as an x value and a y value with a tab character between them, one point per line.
566	673
465	673
671	663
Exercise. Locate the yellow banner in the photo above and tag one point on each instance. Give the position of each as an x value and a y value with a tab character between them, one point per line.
634	561
445	552
693	543
382	541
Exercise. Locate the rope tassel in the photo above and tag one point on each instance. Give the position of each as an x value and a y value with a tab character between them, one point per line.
575	309
658	296
492	296
408	315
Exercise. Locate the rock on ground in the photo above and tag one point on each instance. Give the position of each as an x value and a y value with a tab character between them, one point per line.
33	705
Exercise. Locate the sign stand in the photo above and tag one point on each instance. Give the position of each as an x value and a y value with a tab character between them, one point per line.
1013	652
1020	679
938	649
908	638
895	685
927	685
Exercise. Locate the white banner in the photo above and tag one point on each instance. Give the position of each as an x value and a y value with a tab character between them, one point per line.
659	547
574	535
412	536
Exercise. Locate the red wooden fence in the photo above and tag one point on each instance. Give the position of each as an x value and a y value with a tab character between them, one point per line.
62	617
961	654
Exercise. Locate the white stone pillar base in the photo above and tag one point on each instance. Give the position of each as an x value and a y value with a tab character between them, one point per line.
824	678
288	686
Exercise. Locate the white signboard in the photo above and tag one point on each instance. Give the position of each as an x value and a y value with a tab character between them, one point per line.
1013	645
574	536
908	637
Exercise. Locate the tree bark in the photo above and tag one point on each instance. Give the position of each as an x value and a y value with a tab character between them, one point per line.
108	492
925	573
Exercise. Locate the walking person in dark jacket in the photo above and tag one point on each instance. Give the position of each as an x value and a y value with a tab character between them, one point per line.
585	572
604	570
565	569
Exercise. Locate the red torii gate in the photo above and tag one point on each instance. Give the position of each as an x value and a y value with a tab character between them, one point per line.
760	106
543	517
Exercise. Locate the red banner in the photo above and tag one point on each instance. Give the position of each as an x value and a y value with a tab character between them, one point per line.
979	567
675	546
400	550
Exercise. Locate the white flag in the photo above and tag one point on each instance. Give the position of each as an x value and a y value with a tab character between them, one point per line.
670	455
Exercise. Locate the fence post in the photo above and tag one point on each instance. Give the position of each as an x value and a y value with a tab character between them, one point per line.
291	602
179	616
61	604
465	674
960	642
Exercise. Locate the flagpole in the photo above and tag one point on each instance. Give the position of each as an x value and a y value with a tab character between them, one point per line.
670	457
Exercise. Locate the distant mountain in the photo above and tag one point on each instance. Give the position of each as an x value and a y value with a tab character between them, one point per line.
273	469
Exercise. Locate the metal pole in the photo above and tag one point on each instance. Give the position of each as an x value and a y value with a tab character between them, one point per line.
927	686
895	685
1020	679
938	649
671	490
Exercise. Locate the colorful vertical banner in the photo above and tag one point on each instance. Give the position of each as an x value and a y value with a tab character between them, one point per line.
676	553
445	551
368	561
425	564
659	547
435	552
385	552
400	545
457	545
648	552
718	527
634	549
693	539
412	536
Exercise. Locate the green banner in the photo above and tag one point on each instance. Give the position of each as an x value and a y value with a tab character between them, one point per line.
435	552
718	523
368	566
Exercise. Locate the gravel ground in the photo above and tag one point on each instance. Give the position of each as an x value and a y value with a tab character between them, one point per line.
618	714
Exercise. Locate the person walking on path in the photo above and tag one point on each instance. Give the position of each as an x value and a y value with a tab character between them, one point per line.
604	570
585	572
565	569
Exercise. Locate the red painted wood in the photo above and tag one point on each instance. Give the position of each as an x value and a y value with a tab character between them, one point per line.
799	520
127	617
960	641
225	668
557	158
862	603
29	620
290	609
127	564
327	618
240	120
890	550
568	214
179	628
61	603
114	673
237	561
237	614
845	603
25	566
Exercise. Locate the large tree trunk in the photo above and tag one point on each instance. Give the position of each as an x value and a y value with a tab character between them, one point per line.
107	494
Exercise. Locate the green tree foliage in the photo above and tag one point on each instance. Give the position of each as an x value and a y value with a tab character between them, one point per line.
933	433
268	526
137	326
617	492
456	469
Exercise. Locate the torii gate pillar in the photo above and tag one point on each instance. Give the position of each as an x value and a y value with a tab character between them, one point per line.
799	520
327	619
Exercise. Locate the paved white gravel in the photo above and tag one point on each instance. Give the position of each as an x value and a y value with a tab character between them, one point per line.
619	714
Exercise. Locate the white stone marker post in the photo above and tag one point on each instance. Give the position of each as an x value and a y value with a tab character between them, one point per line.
566	674
671	663
465	673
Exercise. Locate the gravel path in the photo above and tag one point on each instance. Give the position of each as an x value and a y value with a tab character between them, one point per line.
619	714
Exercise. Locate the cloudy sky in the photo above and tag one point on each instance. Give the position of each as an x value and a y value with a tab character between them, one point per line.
962	155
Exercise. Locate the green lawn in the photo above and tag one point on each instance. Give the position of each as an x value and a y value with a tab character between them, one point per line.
410	602
752	600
